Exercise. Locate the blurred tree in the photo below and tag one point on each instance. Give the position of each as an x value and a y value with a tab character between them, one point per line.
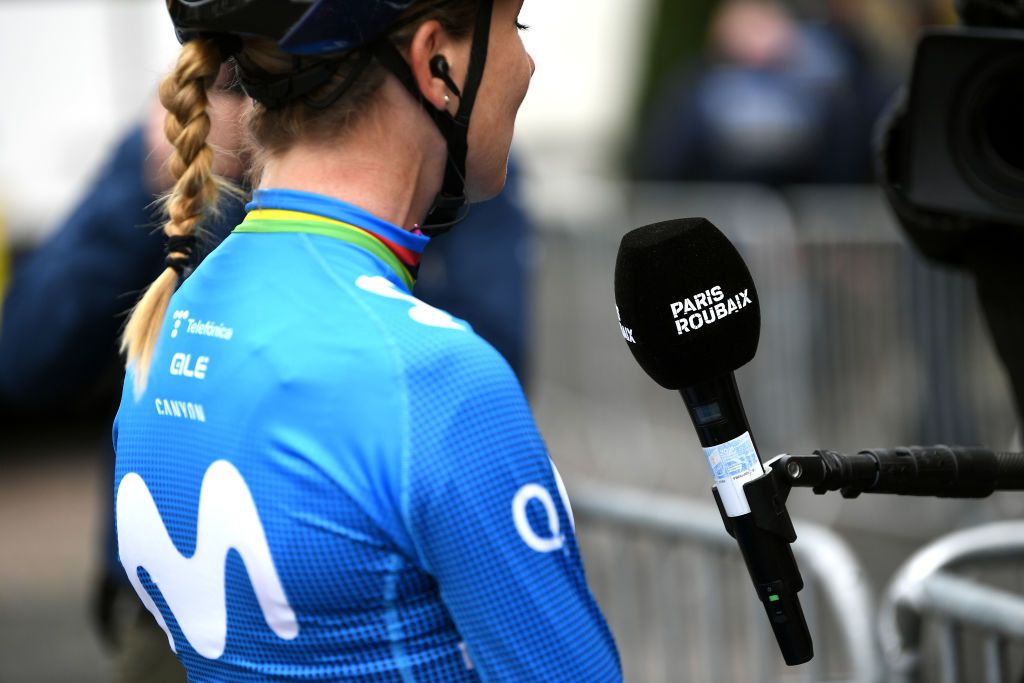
677	36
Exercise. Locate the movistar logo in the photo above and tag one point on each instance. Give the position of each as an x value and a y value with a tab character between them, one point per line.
554	539
194	586
421	312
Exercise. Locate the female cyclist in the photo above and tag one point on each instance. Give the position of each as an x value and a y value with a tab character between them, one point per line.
320	477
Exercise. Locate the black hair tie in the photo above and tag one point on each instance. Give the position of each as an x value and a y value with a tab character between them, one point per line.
178	245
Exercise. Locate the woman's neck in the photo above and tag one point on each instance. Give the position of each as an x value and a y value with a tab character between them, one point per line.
391	163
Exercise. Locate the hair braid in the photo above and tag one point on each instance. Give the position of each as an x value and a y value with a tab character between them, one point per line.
183	94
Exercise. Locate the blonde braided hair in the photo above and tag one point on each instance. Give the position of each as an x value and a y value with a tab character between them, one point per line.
183	93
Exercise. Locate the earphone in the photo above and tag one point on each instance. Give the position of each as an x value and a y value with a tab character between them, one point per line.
439	69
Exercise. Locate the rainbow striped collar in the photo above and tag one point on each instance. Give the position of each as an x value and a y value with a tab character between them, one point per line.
279	211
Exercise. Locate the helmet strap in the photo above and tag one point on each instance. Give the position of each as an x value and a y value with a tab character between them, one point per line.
451	205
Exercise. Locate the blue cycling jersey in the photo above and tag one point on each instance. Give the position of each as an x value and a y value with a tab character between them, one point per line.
326	479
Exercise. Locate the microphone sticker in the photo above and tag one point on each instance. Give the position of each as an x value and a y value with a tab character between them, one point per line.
733	464
707	308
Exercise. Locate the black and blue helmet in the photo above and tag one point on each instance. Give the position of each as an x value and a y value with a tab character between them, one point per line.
303	27
335	29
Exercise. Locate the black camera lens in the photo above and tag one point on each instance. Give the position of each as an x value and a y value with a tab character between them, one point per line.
989	133
1002	118
963	144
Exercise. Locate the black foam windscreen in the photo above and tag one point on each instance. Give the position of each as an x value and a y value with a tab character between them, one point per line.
686	302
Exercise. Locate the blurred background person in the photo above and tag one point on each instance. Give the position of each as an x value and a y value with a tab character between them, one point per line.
773	99
77	284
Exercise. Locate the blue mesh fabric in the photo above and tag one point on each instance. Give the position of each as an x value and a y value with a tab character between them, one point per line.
475	449
385	447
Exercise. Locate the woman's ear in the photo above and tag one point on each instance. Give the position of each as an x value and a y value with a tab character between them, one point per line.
428	44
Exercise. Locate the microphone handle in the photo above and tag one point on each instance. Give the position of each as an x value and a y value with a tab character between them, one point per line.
938	471
753	510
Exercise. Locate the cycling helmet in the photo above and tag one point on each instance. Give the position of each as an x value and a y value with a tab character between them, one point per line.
338	30
309	27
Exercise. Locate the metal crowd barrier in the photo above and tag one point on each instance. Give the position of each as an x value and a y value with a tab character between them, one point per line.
706	625
926	590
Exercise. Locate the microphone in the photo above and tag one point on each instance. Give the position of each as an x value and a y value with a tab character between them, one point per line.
689	312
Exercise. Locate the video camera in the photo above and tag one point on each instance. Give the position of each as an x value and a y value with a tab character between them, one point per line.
950	157
952	152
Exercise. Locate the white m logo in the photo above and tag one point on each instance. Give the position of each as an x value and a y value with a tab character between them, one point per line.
421	312
194	587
